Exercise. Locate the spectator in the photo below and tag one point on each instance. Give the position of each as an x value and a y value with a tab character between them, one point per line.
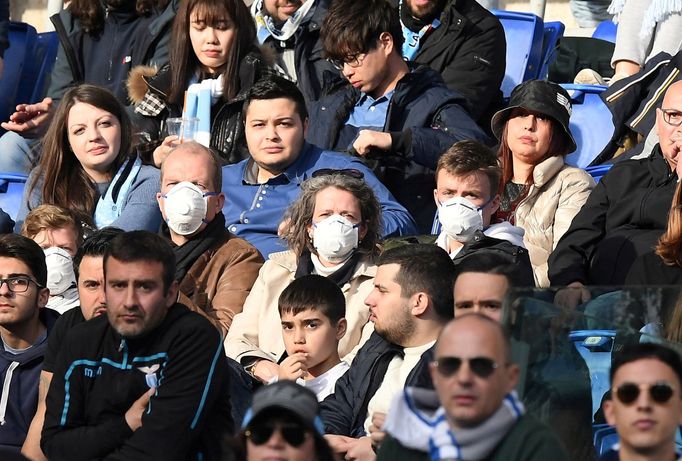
462	41
215	269
89	269
88	165
334	232
467	183
541	193
180	408
645	406
403	117
24	328
260	188
313	309
290	29
473	404
99	42
283	423
410	303
59	233
624	216
212	46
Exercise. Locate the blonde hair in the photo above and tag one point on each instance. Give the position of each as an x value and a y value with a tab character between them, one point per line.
51	217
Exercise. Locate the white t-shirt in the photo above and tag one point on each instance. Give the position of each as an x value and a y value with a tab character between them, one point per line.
324	384
394	380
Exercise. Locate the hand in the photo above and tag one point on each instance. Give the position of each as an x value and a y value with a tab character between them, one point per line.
360	450
368	139
570	297
339	443
375	429
294	367
134	414
167	145
265	370
31	120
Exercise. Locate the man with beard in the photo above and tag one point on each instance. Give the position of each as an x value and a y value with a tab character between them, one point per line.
410	304
462	41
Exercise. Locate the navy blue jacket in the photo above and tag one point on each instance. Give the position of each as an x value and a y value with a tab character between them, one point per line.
424	118
344	412
23	388
4	26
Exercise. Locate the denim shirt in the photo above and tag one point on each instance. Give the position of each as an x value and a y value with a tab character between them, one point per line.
253	211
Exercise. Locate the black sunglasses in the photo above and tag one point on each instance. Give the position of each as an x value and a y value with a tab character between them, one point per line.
480	366
628	393
351	172
294	434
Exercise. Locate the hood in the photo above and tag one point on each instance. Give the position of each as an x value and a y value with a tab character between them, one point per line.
506	231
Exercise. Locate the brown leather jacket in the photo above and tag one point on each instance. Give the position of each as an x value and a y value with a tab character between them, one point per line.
220	280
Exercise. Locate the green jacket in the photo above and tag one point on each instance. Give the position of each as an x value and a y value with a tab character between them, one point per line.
528	440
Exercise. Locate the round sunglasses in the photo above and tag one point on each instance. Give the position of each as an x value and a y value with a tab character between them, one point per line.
480	366
294	434
659	392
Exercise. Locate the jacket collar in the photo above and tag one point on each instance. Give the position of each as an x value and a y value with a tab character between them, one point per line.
287	259
547	169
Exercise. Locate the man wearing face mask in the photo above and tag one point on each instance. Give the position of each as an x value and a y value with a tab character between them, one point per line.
59	233
467	180
215	269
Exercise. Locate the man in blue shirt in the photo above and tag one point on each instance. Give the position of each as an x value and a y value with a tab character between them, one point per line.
259	190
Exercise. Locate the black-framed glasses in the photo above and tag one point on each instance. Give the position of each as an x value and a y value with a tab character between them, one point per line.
660	392
351	172
18	283
353	60
480	366
672	117
294	434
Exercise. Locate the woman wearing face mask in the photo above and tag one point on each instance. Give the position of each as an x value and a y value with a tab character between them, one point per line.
334	232
541	194
88	165
212	45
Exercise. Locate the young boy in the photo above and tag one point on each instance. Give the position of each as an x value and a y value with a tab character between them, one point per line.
312	309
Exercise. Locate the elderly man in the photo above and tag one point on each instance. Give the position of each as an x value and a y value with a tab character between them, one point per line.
473	413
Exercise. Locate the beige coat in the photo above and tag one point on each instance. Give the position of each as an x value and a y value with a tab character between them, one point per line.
256	332
555	197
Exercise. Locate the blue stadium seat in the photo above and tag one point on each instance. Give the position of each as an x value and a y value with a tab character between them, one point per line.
604	439
45	54
598	171
591	123
594	346
606	30
22	39
524	34
11	192
553	31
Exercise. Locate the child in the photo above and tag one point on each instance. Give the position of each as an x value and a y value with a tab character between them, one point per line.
312	309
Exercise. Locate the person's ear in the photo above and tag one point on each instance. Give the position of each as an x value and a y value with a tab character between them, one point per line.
341	327
43	297
362	231
172	294
610	415
387	43
220	202
159	200
419	302
305	128
495	204
435	197
513	372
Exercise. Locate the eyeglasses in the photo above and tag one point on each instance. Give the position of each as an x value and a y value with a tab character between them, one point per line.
672	117
659	392
18	283
480	366
351	172
353	60
294	434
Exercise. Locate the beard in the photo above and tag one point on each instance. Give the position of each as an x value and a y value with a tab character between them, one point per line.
400	328
427	12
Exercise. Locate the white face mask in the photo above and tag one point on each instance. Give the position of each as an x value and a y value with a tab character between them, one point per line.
185	207
460	218
335	238
60	276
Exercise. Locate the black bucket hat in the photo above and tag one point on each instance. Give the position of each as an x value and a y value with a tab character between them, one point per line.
540	96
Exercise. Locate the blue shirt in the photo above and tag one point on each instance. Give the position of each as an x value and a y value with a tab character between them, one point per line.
254	211
369	112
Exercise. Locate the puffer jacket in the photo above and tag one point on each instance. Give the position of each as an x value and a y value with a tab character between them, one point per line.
146	86
555	197
256	332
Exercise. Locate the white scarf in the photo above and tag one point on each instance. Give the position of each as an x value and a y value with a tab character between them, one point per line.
200	98
265	25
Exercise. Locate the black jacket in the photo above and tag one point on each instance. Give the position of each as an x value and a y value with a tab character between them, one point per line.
99	375
424	118
344	412
623	218
469	51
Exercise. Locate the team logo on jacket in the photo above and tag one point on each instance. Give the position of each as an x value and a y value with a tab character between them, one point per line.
150	374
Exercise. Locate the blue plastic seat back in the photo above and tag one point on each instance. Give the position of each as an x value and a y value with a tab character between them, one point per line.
605	439
22	38
591	123
45	54
553	31
595	346
524	34
598	171
11	192
606	30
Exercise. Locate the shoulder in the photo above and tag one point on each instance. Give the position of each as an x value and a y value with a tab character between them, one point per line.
533	438
182	322
234	171
148	173
234	246
478	16
282	260
573	174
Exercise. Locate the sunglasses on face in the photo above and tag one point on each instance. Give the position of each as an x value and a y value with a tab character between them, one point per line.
294	434
480	366
628	393
350	172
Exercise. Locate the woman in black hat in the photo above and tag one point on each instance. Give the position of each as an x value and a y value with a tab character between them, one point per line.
540	192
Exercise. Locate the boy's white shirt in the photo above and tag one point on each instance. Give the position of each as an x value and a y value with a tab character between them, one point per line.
324	384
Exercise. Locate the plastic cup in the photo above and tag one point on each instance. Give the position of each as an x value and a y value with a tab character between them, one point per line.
183	128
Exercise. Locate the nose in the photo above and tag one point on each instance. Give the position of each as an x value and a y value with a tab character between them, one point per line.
94	134
464	375
211	36
271	132
4	289
347	70
530	122
276	440
369	300
130	300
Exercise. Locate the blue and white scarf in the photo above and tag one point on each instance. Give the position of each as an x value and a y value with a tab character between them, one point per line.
201	97
412	40
110	205
265	25
658	11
